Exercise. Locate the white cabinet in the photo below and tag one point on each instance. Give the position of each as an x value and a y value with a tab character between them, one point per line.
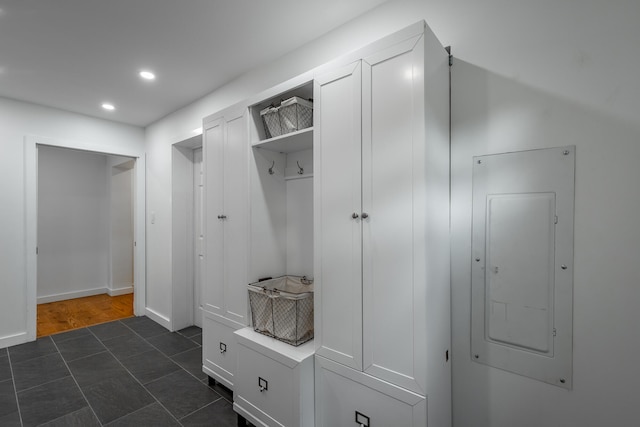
274	385
382	217
219	350
226	213
338	236
225	149
347	397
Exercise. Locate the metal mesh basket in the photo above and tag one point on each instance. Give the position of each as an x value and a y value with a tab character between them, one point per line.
283	308
271	121
295	114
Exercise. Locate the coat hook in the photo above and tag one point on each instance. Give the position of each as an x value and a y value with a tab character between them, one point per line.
300	170
271	172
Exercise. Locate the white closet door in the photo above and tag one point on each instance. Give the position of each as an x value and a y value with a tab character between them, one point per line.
337	192
236	224
393	175
213	152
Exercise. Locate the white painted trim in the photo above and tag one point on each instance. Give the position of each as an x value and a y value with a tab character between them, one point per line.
140	239
30	232
31	224
15	339
74	294
158	318
182	232
113	292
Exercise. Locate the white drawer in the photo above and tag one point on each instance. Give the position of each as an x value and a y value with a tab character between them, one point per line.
218	351
345	397
276	396
274	384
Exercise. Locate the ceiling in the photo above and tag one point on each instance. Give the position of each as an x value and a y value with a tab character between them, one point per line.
77	54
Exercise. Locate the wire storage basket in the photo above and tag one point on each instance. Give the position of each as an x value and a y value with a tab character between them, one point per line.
271	121
282	308
295	114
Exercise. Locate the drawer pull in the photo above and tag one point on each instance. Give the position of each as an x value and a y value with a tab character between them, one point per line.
362	420
263	384
223	348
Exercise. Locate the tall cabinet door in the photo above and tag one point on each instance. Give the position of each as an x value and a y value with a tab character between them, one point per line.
236	221
337	196
213	153
393	196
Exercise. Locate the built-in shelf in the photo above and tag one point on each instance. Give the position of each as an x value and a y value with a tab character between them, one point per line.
288	143
277	350
304	176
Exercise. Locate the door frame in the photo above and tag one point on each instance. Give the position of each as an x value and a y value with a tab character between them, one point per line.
31	144
183	258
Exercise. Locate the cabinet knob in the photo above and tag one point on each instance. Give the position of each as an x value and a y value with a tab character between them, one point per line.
223	348
365	215
354	215
222	217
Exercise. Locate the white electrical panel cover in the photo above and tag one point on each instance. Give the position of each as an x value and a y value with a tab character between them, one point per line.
522	263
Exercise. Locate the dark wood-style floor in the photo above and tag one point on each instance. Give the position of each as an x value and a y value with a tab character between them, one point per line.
78	313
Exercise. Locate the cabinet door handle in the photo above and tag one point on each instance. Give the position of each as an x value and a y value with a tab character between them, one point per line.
365	215
354	215
223	348
362	420
222	217
263	384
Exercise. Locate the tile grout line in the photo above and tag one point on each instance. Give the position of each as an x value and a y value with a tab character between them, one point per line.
136	411
34	358
107	350
15	392
179	366
171	357
136	379
66	364
45	383
199	409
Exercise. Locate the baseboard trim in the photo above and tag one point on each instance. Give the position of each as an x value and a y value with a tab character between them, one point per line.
70	295
120	291
158	318
15	339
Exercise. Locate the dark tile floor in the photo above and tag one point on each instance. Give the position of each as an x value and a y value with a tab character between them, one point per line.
130	372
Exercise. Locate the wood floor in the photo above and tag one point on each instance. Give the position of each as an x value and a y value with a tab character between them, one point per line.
77	313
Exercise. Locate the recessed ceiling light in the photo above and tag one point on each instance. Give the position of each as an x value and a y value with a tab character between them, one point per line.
108	106
147	75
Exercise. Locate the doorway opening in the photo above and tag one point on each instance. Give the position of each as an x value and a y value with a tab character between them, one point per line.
85	263
187	232
85	234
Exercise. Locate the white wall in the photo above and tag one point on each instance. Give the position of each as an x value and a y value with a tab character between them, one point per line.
526	75
299	193
73	224
493	114
18	119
